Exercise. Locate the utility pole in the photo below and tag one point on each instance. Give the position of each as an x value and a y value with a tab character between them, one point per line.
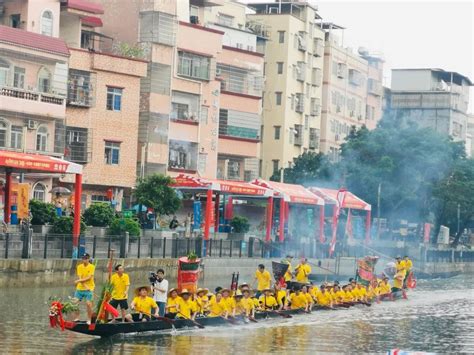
459	218
379	191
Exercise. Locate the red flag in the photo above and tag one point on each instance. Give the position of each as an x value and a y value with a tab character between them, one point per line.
108	308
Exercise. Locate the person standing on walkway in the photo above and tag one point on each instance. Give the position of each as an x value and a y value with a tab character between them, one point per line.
160	291
121	283
263	279
85	285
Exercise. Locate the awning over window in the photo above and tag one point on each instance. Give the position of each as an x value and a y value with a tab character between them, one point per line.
291	193
350	200
24	162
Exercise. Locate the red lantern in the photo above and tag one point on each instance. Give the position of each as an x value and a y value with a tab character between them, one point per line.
110	193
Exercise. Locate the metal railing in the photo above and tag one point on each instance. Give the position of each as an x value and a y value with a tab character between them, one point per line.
32	95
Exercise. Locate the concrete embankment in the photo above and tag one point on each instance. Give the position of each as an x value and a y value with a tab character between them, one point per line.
61	272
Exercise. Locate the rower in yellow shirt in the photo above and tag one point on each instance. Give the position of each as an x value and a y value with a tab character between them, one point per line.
361	293
172	304
280	296
263	279
302	271
202	300
298	300
216	308
248	304
228	303
187	307
324	298
239	305
408	263
401	266
144	306
267	300
309	298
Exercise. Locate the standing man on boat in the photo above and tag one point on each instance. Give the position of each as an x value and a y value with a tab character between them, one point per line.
121	283
160	291
85	284
263	279
302	271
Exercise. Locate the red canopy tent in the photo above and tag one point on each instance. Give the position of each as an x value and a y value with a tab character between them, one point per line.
289	194
183	181
11	162
350	201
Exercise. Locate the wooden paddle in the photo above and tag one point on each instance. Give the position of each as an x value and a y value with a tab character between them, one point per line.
192	321
164	319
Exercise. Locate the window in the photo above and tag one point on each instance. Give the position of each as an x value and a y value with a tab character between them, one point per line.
15	20
4	69
112	153
281	36
225	20
277	132
47	23
194	66
276	165
278	98
184	106
99	198
280	67
114	99
39	192
16	139
44	80
42	139
3	133
19	77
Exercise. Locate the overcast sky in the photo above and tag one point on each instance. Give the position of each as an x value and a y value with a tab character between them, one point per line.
410	34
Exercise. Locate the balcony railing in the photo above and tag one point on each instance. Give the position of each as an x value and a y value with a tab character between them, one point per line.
32	95
318	47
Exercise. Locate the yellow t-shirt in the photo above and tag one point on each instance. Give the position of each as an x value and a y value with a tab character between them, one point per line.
281	297
83	272
384	288
340	296
398	279
247	304
302	273
288	275
348	296
263	279
144	305
216	308
298	301
228	304
172	303
409	264
186	308
355	293
202	303
362	292
268	302
309	298
324	299
120	284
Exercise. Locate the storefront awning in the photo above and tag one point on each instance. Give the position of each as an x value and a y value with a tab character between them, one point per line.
290	193
350	200
24	162
229	187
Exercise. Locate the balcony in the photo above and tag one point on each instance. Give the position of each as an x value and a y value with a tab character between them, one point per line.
318	47
313	138
32	102
240	125
301	71
240	80
158	27
316	77
185	107
298	132
81	85
301	41
299	103
355	77
183	156
238	169
374	87
315	107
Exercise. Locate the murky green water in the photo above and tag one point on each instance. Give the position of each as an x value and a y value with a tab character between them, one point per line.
438	317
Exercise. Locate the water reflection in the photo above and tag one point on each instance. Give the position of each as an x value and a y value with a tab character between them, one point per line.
438	317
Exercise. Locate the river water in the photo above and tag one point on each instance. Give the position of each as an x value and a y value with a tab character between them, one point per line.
437	317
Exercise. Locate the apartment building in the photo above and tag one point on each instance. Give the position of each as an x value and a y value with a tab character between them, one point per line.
33	84
102	106
431	97
201	99
352	91
470	136
293	81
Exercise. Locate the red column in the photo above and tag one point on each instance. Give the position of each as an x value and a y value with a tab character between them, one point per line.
216	222
282	220
8	196
268	232
367	226
321	224
76	227
207	217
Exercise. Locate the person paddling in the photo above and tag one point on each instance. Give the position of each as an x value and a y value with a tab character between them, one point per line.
144	306
172	304
267	301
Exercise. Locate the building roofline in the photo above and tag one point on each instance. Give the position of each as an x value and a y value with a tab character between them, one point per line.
439	70
201	27
257	54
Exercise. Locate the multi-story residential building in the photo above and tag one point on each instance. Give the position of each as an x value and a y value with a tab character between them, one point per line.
69	97
352	91
433	98
293	81
33	84
201	99
470	136
102	106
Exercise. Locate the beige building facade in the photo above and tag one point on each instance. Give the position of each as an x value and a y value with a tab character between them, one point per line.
293	82
352	91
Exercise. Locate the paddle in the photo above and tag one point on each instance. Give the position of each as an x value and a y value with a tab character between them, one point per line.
164	319
192	321
284	315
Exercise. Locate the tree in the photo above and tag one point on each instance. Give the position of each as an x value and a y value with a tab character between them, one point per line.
42	212
455	190
308	167
121	225
99	214
64	225
406	161
155	192
240	224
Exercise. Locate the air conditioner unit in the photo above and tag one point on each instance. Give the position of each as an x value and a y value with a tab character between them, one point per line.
32	124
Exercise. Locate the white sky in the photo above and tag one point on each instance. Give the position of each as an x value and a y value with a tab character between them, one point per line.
410	34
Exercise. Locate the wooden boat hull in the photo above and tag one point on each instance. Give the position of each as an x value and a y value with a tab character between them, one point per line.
111	329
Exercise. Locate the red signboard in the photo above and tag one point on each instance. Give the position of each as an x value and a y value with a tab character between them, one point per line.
32	162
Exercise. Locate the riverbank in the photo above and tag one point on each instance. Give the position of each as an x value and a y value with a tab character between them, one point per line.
61	272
